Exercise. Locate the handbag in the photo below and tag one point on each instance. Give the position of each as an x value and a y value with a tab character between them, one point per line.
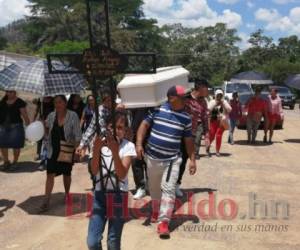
66	152
224	122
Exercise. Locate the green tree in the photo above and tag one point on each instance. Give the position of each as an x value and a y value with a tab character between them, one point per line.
262	51
65	20
3	42
279	70
289	47
19	48
64	47
209	52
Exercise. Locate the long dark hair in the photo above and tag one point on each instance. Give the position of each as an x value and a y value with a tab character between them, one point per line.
87	100
118	115
71	100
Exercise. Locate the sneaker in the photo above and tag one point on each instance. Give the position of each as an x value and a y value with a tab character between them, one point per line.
178	192
5	166
140	193
163	229
218	154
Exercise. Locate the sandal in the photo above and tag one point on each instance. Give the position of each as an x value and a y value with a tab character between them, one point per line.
6	165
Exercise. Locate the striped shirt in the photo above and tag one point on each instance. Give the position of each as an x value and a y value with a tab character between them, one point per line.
91	130
168	128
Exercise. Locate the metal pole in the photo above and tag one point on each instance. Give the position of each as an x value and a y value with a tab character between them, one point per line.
111	80
107	24
88	18
93	80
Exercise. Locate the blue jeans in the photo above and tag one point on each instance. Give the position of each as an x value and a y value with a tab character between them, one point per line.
233	123
101	214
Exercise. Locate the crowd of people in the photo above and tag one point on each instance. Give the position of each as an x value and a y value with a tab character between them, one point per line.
157	142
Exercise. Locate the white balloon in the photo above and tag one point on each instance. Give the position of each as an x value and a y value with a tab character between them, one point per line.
35	131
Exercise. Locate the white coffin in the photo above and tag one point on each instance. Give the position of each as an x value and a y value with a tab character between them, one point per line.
150	90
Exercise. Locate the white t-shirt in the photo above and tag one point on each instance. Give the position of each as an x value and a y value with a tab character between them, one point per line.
127	148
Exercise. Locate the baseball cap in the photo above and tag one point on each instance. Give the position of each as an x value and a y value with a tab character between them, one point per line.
177	90
219	92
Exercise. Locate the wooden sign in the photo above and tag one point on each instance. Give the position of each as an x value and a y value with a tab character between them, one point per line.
102	62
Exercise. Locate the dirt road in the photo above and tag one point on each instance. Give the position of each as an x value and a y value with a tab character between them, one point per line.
267	173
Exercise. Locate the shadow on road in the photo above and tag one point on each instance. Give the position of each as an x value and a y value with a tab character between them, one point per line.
222	154
5	205
78	205
23	167
181	214
181	218
292	140
257	143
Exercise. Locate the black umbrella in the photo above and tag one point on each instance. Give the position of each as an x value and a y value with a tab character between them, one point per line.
293	81
251	77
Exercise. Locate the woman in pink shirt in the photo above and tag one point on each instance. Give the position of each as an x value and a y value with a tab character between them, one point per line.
275	111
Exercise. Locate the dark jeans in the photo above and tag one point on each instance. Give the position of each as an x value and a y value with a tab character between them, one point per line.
39	148
183	163
198	138
12	136
233	123
139	170
101	215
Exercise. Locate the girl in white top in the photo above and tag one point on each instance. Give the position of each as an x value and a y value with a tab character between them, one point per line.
115	157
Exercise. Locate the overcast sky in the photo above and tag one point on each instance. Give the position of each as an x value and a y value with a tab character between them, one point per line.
277	17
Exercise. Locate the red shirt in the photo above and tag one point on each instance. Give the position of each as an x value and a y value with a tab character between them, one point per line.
236	111
257	105
197	108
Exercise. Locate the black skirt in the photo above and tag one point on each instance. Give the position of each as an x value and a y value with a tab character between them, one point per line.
53	166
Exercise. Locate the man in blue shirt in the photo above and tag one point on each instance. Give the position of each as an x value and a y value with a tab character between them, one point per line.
170	125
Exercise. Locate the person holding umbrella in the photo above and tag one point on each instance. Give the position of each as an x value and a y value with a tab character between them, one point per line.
12	135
